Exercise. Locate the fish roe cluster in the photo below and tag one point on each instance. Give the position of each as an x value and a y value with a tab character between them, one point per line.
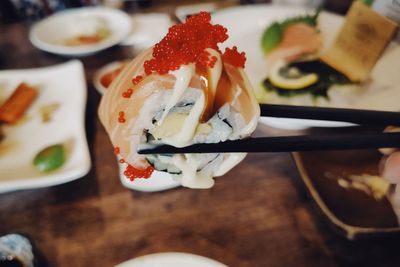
127	93
186	43
233	57
116	150
137	79
132	173
121	117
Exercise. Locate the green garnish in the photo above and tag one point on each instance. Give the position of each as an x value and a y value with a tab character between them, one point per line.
273	34
50	158
367	2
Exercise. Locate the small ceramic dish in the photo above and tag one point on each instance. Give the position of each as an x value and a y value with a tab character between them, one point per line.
81	31
101	76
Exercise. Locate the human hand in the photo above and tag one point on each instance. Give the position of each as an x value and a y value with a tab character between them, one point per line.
391	167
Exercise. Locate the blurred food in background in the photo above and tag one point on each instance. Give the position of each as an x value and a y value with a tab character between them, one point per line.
17	104
94	31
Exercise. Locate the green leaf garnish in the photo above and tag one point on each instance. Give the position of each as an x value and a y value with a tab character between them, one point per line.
271	37
50	158
273	34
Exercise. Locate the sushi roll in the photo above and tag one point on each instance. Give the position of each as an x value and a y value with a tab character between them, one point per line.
182	91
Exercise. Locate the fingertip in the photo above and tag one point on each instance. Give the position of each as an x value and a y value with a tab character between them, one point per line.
391	170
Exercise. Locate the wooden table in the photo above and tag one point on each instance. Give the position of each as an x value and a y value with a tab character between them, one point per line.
256	215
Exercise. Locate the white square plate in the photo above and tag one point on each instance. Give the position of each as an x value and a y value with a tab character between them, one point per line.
65	85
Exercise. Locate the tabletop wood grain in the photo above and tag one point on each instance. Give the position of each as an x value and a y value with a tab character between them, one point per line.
256	215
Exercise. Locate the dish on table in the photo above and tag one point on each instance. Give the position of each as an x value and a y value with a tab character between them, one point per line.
105	75
144	34
246	26
81	31
348	191
55	117
171	259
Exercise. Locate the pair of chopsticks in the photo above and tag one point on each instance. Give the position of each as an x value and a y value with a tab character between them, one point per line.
302	142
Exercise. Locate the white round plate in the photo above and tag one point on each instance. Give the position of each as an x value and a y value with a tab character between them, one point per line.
245	27
144	34
50	34
171	259
104	70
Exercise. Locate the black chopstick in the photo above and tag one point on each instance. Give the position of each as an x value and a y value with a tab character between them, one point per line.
357	116
285	144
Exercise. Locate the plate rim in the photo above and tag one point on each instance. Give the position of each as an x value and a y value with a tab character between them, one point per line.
171	253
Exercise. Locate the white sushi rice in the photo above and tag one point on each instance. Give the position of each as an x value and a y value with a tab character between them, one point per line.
192	170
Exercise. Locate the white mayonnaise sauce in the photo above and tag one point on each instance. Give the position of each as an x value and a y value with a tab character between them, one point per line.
188	163
183	76
190	177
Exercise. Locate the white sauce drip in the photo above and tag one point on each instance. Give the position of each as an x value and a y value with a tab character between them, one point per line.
190	177
188	163
216	71
186	134
183	76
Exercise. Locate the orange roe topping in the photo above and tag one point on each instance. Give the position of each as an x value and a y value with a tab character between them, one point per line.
116	150
121	117
186	43
121	161
137	79
233	57
127	93
132	173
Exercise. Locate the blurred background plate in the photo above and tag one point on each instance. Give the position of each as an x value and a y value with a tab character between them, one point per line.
158	181
245	27
53	33
352	212
148	29
171	259
106	74
61	85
